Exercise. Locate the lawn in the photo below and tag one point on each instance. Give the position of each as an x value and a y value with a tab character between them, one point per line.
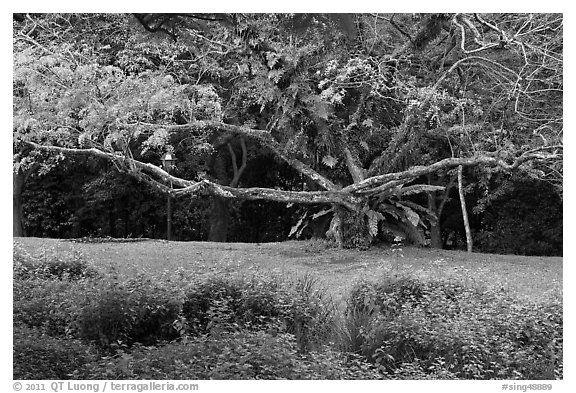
533	278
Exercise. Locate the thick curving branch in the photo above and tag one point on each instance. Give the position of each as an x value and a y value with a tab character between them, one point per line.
158	178
118	159
265	138
419	170
256	193
350	197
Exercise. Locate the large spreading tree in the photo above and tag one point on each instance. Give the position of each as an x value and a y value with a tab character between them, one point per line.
370	110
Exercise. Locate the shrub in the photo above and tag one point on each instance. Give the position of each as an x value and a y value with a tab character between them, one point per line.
230	355
110	312
47	304
124	312
23	262
38	356
51	264
409	327
211	302
293	306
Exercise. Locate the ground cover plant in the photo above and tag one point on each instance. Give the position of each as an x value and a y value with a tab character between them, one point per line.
195	315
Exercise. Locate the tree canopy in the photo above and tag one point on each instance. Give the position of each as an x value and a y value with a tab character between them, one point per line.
369	109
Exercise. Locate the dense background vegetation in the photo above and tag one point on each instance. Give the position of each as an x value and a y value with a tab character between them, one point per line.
525	220
294	104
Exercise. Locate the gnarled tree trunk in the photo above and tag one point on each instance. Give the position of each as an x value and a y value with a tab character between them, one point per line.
349	228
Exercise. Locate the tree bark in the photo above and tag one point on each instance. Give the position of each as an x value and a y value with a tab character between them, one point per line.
435	229
437	209
436	236
220	205
219	219
353	163
349	228
156	177
18	179
464	211
219	216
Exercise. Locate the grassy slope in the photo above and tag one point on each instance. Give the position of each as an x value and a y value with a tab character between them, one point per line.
535	278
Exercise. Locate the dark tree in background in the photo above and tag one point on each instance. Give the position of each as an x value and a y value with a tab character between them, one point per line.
349	126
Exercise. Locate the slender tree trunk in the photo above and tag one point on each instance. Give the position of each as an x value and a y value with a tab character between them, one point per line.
220	207
126	222
111	220
435	230
464	211
437	209
18	179
219	216
219	219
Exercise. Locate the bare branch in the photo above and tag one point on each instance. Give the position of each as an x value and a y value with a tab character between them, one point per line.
418	188
471	58
233	157
238	171
500	32
194	187
356	171
395	25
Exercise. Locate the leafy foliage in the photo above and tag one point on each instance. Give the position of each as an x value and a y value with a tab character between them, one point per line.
239	355
443	329
122	313
260	303
40	356
521	221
